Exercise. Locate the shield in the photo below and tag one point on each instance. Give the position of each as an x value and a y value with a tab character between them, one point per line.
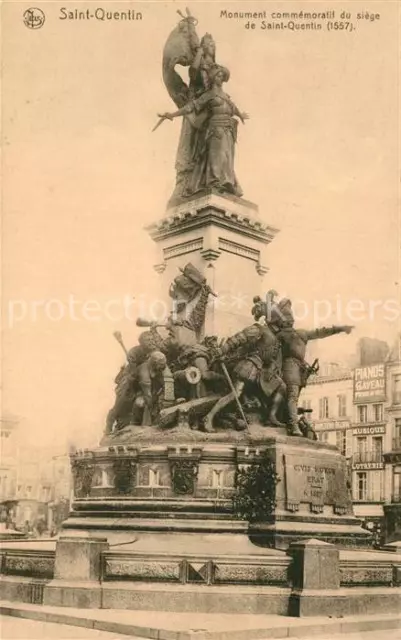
183	476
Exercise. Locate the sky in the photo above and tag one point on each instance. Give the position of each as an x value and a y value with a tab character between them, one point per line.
83	174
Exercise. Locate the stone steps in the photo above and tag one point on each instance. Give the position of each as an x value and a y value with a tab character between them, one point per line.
157	625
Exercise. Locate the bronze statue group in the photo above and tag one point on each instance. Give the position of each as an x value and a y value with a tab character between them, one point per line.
255	375
185	378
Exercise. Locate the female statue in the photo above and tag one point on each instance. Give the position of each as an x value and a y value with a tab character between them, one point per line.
212	152
199	82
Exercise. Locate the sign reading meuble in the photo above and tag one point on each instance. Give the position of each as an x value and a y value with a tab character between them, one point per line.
370	383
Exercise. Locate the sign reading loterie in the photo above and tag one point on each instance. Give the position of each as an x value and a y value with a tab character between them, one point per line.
370	384
368	465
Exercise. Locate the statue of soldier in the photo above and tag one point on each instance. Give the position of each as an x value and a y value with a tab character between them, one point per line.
121	412
190	293
295	369
149	389
305	425
257	369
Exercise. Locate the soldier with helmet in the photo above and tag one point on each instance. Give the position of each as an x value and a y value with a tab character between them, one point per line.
257	368
121	412
293	346
149	388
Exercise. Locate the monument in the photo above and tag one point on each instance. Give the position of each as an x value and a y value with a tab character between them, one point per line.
209	479
211	395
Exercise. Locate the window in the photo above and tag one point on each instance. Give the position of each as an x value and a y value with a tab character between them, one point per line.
217	478
362	413
154	478
45	494
307	404
323	436
349	443
397	389
361	485
341	441
397	433
396	488
378	412
342	405
323	408
97	478
376	492
361	445
27	514
377	448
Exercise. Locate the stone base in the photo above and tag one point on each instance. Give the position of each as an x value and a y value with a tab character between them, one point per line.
62	593
343	602
143	482
392	522
302	582
282	532
10	534
196	599
202	626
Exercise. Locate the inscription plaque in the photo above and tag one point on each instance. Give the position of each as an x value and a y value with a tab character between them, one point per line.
315	481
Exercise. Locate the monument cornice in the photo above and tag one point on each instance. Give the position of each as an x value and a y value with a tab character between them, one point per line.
190	221
233	214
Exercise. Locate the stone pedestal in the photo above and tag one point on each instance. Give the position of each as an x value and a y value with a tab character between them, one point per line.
163	500
224	238
78	558
178	485
316	565
315	578
312	499
392	522
77	572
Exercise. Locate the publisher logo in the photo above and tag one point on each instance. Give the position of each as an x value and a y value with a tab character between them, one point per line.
34	18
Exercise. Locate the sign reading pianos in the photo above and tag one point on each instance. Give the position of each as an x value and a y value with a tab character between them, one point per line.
370	384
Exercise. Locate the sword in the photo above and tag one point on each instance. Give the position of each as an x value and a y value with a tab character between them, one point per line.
237	400
309	370
314	367
160	121
157	125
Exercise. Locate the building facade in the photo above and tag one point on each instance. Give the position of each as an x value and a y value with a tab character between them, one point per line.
392	456
35	484
9	457
353	410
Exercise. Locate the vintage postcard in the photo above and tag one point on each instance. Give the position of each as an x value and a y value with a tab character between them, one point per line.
201	318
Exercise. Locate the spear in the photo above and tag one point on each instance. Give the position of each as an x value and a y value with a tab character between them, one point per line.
231	385
119	338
